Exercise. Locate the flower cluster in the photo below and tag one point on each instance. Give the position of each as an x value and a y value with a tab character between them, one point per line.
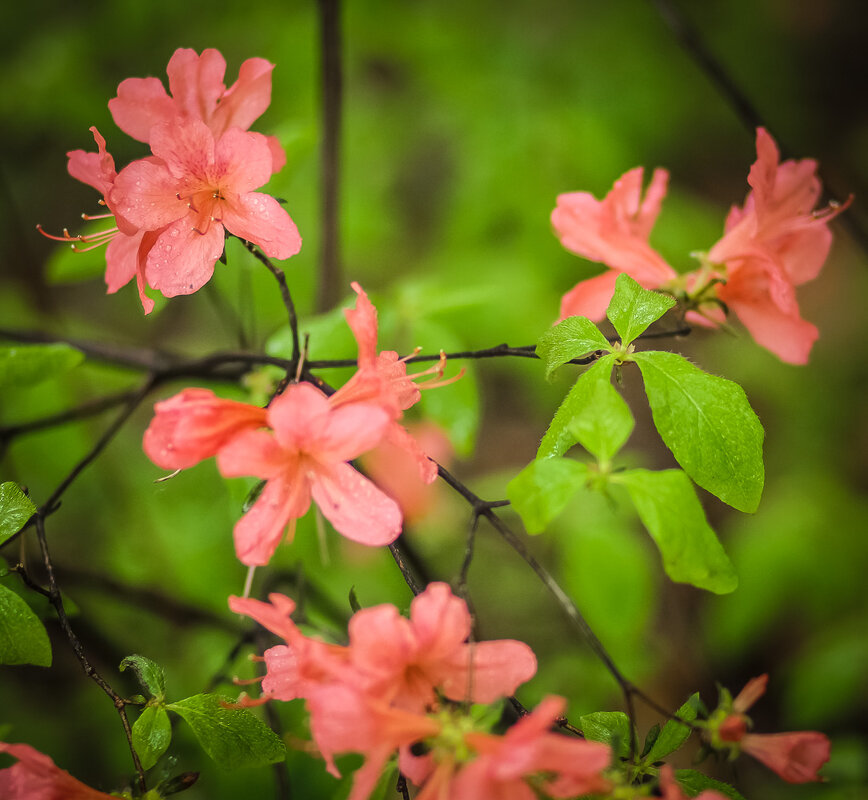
796	756
772	244
301	445
173	208
400	687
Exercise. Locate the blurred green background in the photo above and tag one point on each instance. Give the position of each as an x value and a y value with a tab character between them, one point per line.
463	121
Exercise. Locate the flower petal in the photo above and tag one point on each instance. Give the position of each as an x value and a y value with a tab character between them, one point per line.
182	259
355	507
196	82
246	100
590	298
141	103
146	194
260	219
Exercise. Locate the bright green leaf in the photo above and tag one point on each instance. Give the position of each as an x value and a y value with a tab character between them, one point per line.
633	308
152	733
709	426
673	515
572	338
559	438
541	490
673	734
695	783
15	509
23	639
604	423
149	673
610	727
233	737
25	365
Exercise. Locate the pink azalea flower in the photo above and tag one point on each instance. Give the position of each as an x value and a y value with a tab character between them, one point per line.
36	777
198	92
127	248
194	424
404	661
797	757
196	188
613	231
572	766
382	379
394	469
672	791
306	459
774	243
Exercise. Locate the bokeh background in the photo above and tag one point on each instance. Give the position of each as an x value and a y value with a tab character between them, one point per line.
463	121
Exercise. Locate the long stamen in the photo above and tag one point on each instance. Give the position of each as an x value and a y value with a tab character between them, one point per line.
89	217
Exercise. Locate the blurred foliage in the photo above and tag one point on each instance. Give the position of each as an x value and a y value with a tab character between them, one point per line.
463	121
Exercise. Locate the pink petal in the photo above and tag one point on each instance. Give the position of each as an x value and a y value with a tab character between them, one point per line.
34	776
141	103
187	147
487	671
349	431
145	193
753	690
440	619
355	507
259	531
254	454
278	154
247	99
398	436
182	259
590	298
297	414
363	322
260	219
242	161
121	257
274	615
196	82
796	757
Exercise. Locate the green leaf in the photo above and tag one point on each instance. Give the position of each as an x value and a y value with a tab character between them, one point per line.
633	308
572	338
152	733
25	365
673	515
673	734
559	438
541	490
604	423
695	783
233	737
610	727
15	509
149	673
709	426
23	639
651	739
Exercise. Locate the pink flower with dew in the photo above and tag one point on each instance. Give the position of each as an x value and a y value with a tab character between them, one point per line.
796	757
566	767
407	661
613	231
35	776
306	458
195	189
382	379
127	247
774	243
670	790
198	92
345	720
194	424
393	469
293	670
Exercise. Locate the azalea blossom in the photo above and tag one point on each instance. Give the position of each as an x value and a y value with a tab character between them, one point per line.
193	425
34	776
196	188
127	247
306	458
774	243
198	92
613	231
797	757
382	379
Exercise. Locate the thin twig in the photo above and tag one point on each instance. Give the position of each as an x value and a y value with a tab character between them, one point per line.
328	290
284	294
57	601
